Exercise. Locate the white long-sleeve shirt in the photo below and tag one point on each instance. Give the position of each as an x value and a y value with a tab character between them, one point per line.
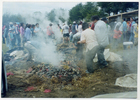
101	33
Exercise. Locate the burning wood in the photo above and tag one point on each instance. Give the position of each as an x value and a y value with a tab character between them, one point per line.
57	74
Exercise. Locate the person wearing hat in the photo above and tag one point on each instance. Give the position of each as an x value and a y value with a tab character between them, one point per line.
50	31
74	30
65	32
11	38
12	29
14	34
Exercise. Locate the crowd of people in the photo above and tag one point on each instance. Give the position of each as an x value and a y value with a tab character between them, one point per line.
127	31
16	34
96	35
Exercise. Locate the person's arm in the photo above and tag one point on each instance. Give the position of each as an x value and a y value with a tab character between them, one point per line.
76	28
92	26
81	42
82	39
52	31
120	33
35	31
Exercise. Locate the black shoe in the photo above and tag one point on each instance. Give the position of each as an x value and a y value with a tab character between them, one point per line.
104	66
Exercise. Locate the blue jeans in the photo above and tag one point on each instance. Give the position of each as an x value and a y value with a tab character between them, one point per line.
131	37
11	44
71	37
124	36
18	39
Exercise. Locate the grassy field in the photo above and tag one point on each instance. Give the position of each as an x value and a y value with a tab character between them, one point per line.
4	48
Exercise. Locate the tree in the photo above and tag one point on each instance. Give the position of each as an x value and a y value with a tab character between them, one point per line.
75	13
12	18
116	7
80	12
51	15
62	19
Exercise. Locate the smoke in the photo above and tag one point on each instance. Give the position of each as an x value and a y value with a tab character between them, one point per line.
130	55
47	51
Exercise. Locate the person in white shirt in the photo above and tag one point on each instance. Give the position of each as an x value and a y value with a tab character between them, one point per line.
80	27
76	38
102	37
65	32
108	29
88	37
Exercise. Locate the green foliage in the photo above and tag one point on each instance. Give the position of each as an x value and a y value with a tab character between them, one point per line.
51	16
12	18
62	19
76	13
80	12
116	7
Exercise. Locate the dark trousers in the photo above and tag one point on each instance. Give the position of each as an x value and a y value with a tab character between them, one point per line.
18	39
3	38
124	37
90	55
14	40
101	58
79	51
132	37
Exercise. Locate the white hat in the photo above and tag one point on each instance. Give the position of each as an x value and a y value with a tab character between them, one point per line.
74	22
10	23
10	29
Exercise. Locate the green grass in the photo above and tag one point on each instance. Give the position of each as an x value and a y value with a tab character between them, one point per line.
4	48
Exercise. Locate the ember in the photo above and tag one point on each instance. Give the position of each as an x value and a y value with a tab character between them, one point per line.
63	73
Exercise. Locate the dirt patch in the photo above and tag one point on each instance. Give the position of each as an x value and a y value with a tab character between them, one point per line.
88	85
83	86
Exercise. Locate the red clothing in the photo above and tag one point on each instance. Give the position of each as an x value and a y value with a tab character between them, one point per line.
49	31
3	30
92	26
117	34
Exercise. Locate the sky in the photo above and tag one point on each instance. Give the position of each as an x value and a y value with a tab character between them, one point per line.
29	7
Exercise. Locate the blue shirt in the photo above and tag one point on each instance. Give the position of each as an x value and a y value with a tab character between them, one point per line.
11	35
28	33
124	26
132	28
73	29
37	29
